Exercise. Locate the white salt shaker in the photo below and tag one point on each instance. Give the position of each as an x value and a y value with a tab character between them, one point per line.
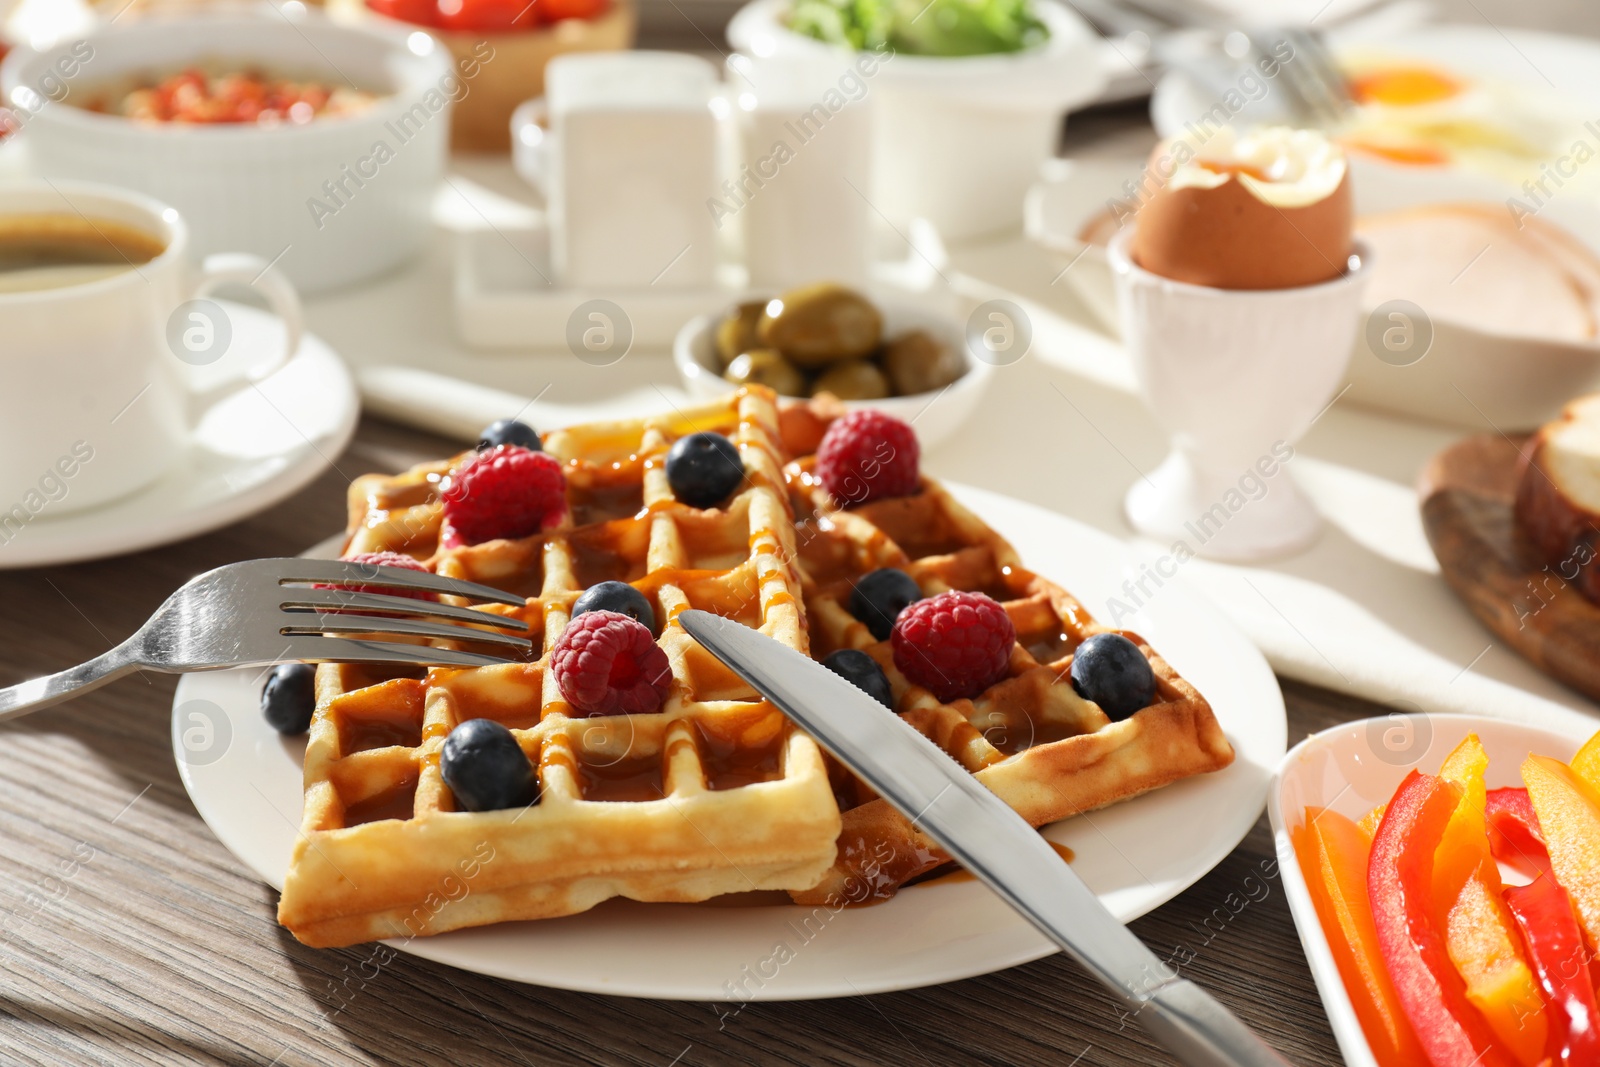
628	165
803	168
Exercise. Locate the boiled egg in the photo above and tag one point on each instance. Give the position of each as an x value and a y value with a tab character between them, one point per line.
1261	209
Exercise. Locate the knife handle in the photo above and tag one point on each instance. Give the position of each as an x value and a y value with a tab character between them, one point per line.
1200	1032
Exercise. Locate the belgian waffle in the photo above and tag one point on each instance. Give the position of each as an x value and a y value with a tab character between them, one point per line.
715	793
1030	738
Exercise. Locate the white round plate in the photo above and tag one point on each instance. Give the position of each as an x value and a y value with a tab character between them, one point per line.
250	450
1136	855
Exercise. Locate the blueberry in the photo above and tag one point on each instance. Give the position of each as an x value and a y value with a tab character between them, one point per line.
1111	671
880	597
863	672
486	769
509	432
617	596
703	469
289	697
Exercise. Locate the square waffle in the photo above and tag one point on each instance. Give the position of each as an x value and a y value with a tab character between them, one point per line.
715	793
1030	738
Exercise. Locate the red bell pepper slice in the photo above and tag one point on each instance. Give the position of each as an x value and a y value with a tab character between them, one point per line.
1514	834
1549	924
1400	883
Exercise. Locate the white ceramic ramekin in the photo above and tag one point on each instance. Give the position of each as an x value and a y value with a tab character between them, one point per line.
935	415
321	199
957	140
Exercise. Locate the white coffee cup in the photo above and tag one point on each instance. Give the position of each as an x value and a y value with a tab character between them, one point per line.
100	376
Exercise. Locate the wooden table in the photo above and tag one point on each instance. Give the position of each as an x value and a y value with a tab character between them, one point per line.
128	934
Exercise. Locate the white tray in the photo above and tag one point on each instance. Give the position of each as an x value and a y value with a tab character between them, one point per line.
506	296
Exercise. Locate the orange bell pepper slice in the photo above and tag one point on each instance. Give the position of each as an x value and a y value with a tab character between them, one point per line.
1569	814
1333	854
1481	935
1586	764
1400	877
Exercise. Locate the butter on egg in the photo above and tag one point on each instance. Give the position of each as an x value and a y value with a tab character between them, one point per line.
1262	209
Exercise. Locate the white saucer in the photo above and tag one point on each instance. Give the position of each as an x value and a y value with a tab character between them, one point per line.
1136	855
249	451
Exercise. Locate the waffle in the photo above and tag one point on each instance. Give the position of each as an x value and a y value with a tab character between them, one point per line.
1030	738
715	793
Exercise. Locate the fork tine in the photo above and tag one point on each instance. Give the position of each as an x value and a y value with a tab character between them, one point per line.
308	649
344	572
321	600
298	624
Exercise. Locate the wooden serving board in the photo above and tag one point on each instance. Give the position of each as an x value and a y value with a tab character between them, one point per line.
1467	493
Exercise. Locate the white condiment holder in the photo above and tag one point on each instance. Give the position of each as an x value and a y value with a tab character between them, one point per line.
506	296
627	250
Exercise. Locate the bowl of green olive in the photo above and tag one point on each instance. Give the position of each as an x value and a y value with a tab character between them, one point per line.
894	355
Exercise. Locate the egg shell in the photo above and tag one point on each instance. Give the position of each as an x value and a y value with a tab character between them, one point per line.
1228	238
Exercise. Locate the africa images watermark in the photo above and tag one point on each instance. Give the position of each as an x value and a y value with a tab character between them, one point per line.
1557	171
751	979
53	486
851	88
1252	485
345	186
50	88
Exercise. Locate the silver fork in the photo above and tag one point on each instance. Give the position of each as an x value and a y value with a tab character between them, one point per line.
1311	82
267	611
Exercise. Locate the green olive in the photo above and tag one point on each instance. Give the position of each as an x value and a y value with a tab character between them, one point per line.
764	366
736	333
855	380
918	362
821	324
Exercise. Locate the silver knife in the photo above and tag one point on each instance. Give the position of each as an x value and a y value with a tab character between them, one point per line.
986	837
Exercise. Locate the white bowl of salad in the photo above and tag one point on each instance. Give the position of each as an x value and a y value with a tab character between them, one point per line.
967	95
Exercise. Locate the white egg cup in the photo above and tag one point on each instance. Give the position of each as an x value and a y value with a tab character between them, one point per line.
1235	377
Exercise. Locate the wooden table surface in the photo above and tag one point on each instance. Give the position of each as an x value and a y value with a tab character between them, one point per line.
128	934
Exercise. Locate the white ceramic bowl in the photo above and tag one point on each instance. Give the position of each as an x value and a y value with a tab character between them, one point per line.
1353	768
935	415
248	188
957	139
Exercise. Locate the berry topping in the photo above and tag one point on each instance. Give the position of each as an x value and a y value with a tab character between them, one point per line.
384	559
507	491
863	672
880	597
955	644
607	663
703	468
509	432
289	697
1111	671
867	455
619	597
485	767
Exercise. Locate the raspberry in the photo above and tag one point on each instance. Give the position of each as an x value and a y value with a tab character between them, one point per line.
954	645
607	663
384	559
507	491
868	455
